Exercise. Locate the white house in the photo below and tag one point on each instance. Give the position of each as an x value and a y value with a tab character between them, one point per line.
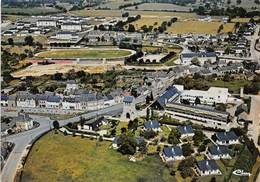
53	102
172	153
69	103
185	131
26	100
69	26
211	96
217	152
71	86
46	23
226	138
152	125
208	167
93	124
202	57
65	35
23	121
4	100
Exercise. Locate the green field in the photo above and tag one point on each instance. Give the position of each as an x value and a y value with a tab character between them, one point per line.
29	11
65	158
84	53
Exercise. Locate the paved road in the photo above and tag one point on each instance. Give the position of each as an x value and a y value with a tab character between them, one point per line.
254	53
22	140
254	129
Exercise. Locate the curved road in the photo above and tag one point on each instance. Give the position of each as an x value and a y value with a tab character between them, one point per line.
24	139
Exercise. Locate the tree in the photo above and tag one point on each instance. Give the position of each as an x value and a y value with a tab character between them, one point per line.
132	125
187	149
195	61
174	136
10	41
81	121
147	114
131	28
142	147
228	2
127	144
197	101
239	1
28	40
198	137
148	134
56	125
185	166
221	27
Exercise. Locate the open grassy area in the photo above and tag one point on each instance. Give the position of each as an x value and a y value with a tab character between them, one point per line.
198	27
65	158
84	53
233	86
29	11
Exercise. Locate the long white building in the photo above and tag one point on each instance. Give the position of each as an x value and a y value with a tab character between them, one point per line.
209	97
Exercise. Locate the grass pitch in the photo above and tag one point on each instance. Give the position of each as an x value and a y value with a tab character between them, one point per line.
84	53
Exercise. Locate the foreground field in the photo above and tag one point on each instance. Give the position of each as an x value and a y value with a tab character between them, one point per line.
65	158
198	27
84	53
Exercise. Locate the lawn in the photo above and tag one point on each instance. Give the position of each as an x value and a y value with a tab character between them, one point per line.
233	86
65	158
84	53
198	27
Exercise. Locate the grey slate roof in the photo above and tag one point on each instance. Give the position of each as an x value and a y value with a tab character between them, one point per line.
172	151
199	54
226	136
187	129
207	165
218	150
151	124
167	95
128	99
54	98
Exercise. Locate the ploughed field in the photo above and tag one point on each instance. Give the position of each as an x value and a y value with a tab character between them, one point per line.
84	53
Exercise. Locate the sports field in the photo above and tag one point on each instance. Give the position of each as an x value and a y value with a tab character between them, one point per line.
84	53
65	158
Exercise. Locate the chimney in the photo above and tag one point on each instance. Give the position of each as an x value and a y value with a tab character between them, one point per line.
207	162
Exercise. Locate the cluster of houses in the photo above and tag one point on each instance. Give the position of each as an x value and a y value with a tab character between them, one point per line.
216	151
72	99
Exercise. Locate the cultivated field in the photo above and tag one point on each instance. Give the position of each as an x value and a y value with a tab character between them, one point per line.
65	158
39	70
114	4
198	27
118	13
150	21
84	53
161	6
29	11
